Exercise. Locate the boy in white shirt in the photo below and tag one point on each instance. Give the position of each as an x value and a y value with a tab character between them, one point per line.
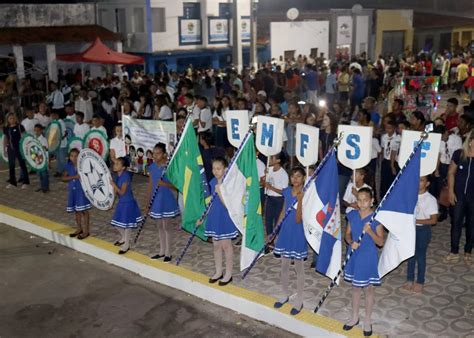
205	115
426	216
97	124
80	128
276	181
350	196
117	144
43	175
70	113
41	116
29	122
390	143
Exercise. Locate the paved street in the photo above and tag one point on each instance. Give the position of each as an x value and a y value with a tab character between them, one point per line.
51	291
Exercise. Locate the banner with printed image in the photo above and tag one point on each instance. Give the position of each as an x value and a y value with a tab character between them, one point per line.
218	30
245	28
141	136
190	32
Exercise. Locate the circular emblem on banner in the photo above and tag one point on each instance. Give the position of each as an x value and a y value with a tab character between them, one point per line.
97	141
3	149
74	143
53	135
33	152
69	128
95	179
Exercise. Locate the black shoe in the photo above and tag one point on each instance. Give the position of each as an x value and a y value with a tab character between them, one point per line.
238	242
157	256
167	259
349	327
278	305
213	280
45	191
313	265
75	234
118	243
38	190
122	252
294	311
221	283
368	333
57	175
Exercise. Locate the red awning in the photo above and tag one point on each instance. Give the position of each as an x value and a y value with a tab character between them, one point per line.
100	53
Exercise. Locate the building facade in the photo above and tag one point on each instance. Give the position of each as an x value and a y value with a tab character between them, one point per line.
171	34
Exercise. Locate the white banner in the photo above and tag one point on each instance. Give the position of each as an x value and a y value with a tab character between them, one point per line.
307	144
344	30
429	150
269	139
355	150
245	28
141	136
190	31
237	126
218	30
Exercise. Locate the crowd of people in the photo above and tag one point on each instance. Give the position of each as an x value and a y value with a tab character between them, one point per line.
310	90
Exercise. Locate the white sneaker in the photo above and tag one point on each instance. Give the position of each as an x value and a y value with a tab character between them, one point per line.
9	186
24	186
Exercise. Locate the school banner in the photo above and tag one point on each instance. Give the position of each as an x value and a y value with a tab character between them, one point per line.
237	126
218	30
245	28
355	150
190	32
429	150
141	136
269	135
307	144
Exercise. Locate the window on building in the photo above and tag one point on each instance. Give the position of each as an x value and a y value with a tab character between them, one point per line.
158	16
120	20
192	10
138	20
225	10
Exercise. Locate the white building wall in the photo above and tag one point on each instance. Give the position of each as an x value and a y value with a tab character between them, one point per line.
299	36
362	34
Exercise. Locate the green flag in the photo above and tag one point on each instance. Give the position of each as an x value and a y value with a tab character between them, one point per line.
186	172
240	191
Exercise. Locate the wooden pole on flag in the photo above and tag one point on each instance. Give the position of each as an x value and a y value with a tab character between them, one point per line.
155	192
213	197
288	210
351	251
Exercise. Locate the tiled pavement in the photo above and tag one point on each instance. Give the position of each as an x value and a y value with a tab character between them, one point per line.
446	308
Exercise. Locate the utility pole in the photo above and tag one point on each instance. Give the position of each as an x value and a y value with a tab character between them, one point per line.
237	37
253	34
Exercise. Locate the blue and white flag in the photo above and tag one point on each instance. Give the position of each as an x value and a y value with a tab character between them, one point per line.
322	219
397	214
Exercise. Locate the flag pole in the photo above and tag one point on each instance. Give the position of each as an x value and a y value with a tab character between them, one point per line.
213	197
351	251
155	192
275	232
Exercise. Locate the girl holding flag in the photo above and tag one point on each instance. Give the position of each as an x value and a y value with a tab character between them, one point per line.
165	204
361	270
220	227
291	243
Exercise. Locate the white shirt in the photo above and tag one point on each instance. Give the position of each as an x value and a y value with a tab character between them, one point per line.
56	99
84	106
71	117
390	144
101	128
118	145
29	125
165	113
349	197
43	141
376	149
80	130
43	119
427	205
277	179
110	107
447	149
222	117
206	117
260	168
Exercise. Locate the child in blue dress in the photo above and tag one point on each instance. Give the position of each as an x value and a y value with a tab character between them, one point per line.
291	242
361	270
127	214
77	201
220	227
165	204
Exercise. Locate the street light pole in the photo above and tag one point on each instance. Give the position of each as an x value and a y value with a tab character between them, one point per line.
237	38
253	34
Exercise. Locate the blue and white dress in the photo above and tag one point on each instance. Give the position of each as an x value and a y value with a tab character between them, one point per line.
127	213
219	225
76	199
291	242
165	204
361	270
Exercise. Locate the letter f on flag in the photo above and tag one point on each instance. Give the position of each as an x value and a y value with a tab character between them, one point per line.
322	219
